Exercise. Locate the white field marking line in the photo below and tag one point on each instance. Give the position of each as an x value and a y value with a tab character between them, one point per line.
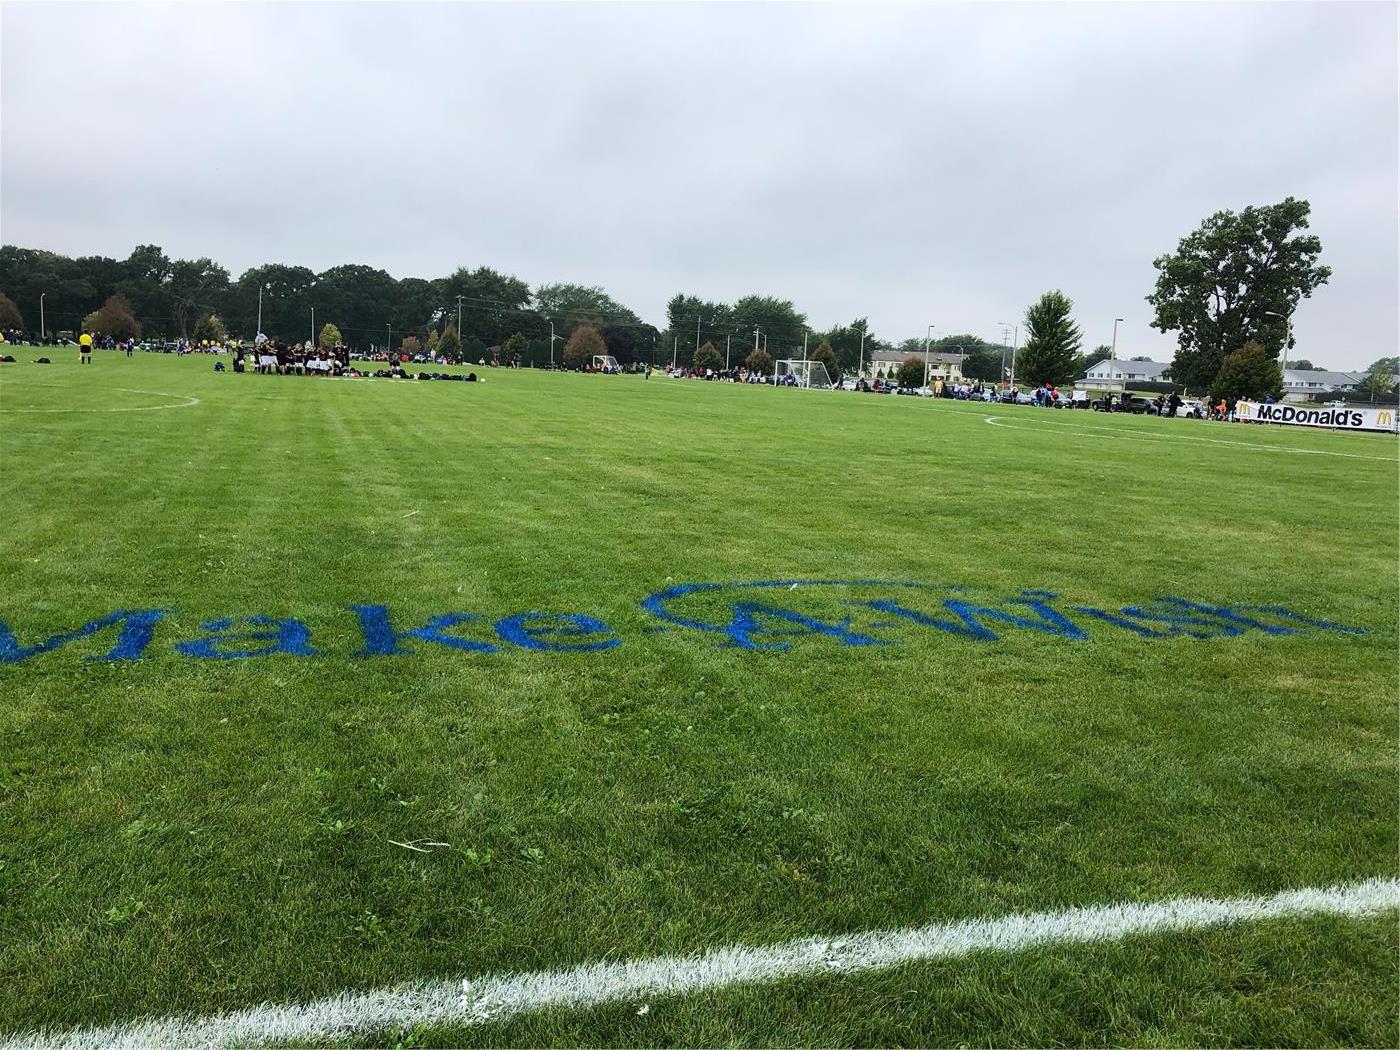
189	402
998	421
355	1015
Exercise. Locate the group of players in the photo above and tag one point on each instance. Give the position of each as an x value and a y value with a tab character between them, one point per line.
272	357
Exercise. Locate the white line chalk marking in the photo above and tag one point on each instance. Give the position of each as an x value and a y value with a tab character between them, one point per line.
354	1015
1000	421
188	402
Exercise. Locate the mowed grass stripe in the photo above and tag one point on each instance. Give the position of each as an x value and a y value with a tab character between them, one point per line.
185	837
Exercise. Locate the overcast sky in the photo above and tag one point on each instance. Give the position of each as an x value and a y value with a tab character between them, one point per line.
918	164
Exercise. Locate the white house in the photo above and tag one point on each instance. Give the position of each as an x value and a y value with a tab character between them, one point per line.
1113	374
1299	383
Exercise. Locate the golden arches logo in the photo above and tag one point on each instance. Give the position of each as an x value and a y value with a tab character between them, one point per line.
1385	418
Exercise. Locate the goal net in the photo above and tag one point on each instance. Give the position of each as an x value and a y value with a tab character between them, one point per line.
809	374
605	363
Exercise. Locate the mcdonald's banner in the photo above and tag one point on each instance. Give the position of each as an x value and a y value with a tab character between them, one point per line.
1336	418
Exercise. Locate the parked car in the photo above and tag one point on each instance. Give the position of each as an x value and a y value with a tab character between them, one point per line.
1127	403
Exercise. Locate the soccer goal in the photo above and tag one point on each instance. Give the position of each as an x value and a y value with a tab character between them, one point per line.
605	363
809	374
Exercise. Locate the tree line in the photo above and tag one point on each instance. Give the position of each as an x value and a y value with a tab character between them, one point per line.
1231	287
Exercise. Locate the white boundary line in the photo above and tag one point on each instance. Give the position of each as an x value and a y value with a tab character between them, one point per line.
1000	421
354	1015
189	402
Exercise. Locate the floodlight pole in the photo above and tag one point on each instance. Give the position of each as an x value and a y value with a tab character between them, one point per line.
552	337
260	290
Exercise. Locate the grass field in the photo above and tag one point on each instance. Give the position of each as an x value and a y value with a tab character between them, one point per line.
181	835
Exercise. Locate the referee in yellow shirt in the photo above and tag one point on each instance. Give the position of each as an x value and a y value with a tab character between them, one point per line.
84	349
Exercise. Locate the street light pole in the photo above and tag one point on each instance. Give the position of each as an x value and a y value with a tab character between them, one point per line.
675	346
1287	338
459	327
552	337
42	331
727	340
927	336
1015	342
259	331
313	326
389	338
697	334
860	368
1113	350
1005	342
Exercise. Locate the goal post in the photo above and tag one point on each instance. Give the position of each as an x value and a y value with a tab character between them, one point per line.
810	375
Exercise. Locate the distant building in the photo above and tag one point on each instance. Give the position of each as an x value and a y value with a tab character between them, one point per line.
1113	374
947	367
1302	383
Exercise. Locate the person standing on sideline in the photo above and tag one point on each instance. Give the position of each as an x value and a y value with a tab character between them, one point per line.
85	349
130	345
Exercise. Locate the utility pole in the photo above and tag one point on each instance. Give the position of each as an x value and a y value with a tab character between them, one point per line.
1113	349
389	338
42	331
727	339
674	347
459	325
1016	341
552	337
260	288
697	334
313	326
860	369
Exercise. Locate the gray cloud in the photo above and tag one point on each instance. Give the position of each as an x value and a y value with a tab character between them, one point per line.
917	164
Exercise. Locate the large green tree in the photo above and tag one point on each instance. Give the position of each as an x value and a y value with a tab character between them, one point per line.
760	361
708	356
1250	372
329	337
1051	353
114	319
210	328
911	372
450	345
1237	277
570	305
827	356
585	343
9	314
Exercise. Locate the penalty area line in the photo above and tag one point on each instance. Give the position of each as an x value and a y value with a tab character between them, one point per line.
352	1015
